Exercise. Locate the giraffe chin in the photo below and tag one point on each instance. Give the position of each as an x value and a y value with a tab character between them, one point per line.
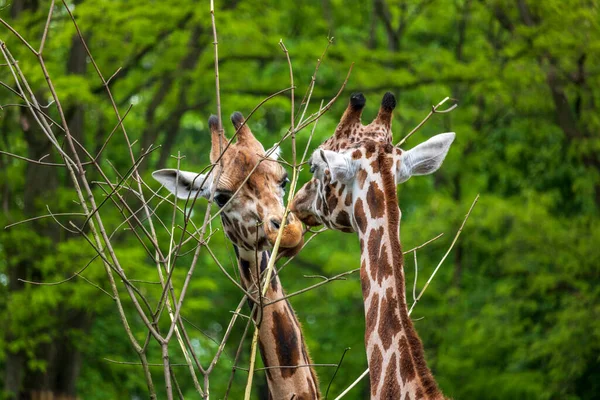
291	251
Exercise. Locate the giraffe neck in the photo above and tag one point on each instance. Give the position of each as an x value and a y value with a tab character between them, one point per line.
394	350
280	338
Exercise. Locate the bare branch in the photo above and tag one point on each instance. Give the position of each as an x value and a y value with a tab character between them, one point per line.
434	110
45	34
445	255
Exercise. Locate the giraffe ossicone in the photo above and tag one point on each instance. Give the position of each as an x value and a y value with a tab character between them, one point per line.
353	189
251	219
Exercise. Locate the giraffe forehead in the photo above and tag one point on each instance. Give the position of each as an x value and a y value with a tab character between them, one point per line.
249	169
355	136
368	154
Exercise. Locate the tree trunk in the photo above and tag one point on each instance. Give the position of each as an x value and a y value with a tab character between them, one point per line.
62	357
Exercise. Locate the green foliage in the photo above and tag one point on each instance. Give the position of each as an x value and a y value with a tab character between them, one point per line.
515	310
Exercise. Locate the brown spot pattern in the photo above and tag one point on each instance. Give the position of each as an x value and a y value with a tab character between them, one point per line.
375	166
384	268
371	317
343	219
407	370
361	176
262	242
374	250
375	200
369	149
359	215
419	394
391	387
375	369
332	201
348	200
286	341
245	267
364	280
232	235
389	322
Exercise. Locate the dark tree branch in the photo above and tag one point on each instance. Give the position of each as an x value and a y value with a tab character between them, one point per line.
382	9
135	61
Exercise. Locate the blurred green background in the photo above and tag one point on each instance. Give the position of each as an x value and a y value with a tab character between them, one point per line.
514	311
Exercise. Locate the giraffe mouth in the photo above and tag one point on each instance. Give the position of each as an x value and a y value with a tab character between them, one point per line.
291	236
299	208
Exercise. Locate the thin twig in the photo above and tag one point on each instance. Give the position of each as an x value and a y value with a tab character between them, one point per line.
339	364
45	34
78	273
353	384
311	119
423	244
307	96
18	35
434	110
45	216
238	353
288	367
415	280
136	363
445	255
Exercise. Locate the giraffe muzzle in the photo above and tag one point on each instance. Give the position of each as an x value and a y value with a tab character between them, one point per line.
292	231
301	207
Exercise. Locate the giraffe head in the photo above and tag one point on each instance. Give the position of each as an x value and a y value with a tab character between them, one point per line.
351	168
251	218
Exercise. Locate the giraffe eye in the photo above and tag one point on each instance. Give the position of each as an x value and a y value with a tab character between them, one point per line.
221	199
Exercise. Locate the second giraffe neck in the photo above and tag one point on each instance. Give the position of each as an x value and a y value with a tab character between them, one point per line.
394	350
280	338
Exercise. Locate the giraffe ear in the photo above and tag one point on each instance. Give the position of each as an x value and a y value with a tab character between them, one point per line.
340	166
425	158
275	152
183	184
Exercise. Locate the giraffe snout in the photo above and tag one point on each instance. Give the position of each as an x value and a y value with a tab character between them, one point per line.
292	230
300	207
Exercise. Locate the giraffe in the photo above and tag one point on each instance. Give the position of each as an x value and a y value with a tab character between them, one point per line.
251	220
353	189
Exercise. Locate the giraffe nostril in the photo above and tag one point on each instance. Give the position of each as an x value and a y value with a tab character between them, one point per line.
276	223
